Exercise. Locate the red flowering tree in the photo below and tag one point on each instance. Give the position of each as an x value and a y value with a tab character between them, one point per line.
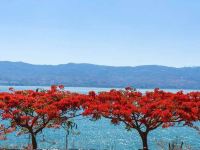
144	112
188	106
31	111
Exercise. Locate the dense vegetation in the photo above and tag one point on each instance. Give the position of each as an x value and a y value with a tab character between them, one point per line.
18	73
30	112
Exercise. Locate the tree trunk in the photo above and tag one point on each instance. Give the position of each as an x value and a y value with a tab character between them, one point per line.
66	141
143	136
34	142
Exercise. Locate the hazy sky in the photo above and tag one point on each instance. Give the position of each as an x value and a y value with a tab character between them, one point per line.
106	32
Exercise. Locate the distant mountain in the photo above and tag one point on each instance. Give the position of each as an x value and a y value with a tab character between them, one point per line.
149	76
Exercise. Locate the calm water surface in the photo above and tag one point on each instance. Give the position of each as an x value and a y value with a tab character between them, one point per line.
101	134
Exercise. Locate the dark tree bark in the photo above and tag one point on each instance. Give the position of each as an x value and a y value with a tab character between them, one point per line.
66	141
34	142
143	136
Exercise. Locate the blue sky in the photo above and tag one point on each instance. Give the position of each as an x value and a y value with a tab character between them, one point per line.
106	32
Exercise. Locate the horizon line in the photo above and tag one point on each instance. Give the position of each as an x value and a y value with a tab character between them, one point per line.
86	63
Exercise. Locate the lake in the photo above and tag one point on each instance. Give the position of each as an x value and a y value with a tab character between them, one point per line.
101	134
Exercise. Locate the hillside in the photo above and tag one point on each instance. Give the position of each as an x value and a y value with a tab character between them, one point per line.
149	76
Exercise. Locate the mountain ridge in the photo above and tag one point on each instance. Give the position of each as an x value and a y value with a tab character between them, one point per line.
90	75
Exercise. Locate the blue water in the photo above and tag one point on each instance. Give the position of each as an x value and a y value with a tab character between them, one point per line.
101	134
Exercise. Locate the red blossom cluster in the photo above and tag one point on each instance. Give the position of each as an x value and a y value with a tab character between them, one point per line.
31	111
144	111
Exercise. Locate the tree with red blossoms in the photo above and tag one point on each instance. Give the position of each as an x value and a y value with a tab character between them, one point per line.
144	112
30	111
